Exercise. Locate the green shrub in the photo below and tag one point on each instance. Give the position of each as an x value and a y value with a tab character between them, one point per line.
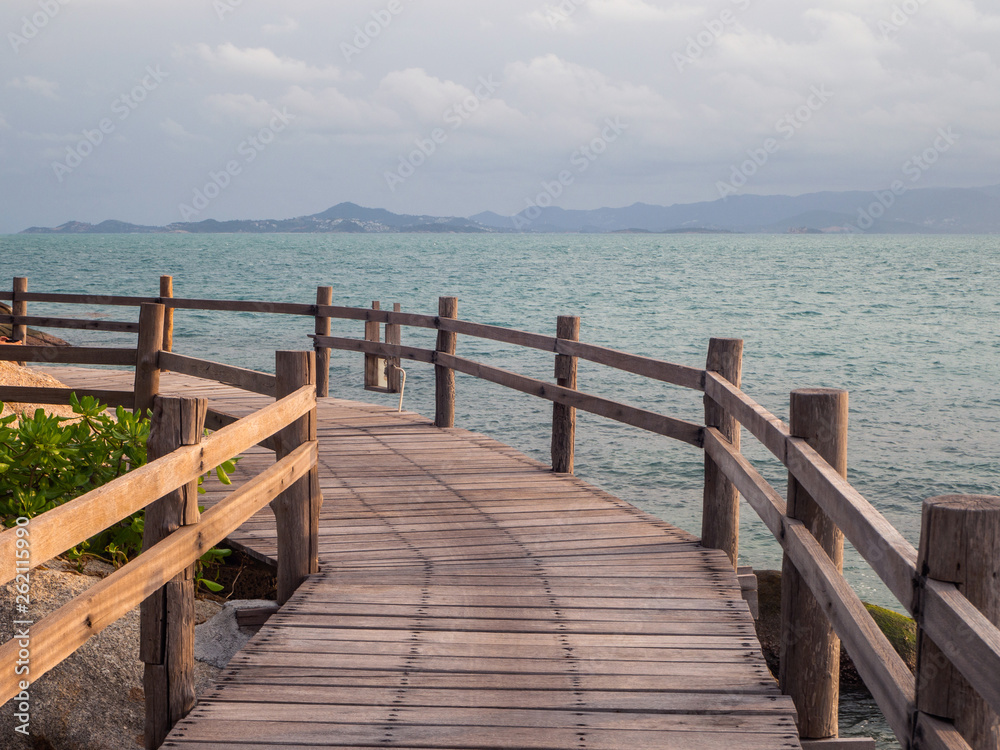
47	460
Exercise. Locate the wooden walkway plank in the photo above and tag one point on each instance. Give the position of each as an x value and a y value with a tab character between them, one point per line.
470	598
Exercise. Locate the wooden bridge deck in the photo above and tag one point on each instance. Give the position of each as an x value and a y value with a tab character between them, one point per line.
470	598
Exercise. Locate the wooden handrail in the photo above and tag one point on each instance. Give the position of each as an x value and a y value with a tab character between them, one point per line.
679	429
82	325
75	355
69	524
61	396
62	632
668	372
248	380
940	608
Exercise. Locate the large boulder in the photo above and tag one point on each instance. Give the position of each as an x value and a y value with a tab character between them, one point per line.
94	699
35	337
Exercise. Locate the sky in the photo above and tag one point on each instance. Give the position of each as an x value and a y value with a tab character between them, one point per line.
181	110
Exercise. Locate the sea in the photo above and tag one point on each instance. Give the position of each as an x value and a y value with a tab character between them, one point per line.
908	324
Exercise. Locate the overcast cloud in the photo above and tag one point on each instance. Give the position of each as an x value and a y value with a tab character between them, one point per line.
124	109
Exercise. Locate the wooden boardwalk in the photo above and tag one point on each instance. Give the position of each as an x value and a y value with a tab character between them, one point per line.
470	598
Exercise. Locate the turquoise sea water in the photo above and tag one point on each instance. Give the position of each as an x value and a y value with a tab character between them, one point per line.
908	324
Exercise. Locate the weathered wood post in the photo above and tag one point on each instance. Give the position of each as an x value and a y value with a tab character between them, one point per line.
19	306
960	544
373	332
564	417
720	516
393	336
166	644
810	649
147	356
444	377
166	292
324	297
296	510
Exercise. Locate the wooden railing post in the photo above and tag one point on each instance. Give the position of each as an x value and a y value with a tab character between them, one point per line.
373	332
147	365
444	377
166	292
166	644
960	544
394	336
296	510
720	517
564	417
19	331
324	297
810	649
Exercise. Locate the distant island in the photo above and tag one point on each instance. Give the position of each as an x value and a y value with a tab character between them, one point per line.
891	211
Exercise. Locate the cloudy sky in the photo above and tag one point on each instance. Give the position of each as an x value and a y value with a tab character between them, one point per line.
163	110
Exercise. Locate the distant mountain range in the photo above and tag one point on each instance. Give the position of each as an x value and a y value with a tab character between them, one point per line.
925	211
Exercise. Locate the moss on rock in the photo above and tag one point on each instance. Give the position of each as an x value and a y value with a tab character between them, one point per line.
899	629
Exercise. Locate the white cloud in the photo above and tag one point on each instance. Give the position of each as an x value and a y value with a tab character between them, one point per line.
36	85
550	85
262	63
329	111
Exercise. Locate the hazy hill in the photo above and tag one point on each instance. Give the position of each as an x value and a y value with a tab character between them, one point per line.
927	211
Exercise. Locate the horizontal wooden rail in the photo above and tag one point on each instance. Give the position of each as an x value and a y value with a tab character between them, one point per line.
61	396
892	558
65	526
760	495
82	325
73	355
248	380
679	429
948	617
687	377
883	671
763	425
252	306
109	300
61	633
216	420
667	372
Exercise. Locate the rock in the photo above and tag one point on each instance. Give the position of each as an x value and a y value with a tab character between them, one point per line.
900	630
218	640
94	699
35	337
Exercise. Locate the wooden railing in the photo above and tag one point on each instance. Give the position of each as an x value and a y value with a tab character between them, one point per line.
161	578
950	587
